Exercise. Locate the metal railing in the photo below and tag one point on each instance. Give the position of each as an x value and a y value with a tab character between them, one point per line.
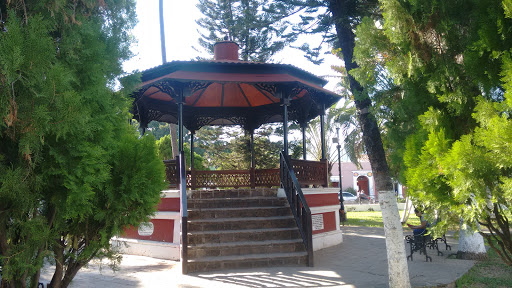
298	204
307	173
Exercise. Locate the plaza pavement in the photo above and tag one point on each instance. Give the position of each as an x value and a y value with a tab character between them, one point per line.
360	261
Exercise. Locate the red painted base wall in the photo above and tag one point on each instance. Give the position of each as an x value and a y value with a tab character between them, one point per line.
317	200
169	204
329	223
163	231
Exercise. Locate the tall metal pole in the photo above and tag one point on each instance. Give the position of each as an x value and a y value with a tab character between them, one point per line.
343	216
285	102
339	158
303	126
192	132
253	161
162	30
180	120
322	131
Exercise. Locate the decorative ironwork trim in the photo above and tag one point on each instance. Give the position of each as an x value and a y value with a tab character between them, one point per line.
266	88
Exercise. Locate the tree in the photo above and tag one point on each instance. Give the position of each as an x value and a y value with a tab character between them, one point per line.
321	17
73	173
448	108
232	152
245	22
164	146
335	118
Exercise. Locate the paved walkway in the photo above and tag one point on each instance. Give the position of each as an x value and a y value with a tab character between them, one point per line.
360	261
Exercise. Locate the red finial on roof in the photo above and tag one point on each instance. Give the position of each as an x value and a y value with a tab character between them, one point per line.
225	50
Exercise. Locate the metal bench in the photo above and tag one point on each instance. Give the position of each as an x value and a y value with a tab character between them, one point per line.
419	243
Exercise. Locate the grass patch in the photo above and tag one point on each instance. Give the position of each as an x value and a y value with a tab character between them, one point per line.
491	272
373	219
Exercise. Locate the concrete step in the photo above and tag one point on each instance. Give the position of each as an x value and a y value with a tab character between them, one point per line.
236	202
247	261
240	223
212	213
241	228
245	247
204	237
231	193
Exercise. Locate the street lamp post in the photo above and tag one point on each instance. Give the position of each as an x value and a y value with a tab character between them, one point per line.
343	216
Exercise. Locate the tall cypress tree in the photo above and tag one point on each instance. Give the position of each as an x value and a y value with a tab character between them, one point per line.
249	23
73	173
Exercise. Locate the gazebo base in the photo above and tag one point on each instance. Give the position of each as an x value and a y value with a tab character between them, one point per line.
227	228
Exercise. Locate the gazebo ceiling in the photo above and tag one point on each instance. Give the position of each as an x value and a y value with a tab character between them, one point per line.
229	92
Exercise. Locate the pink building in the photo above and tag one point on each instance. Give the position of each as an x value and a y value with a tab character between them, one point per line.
354	177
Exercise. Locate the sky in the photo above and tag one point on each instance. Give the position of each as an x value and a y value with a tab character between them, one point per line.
181	34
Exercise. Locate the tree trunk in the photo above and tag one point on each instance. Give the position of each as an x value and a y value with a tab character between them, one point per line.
59	266
395	246
343	12
4	250
471	244
71	273
5	284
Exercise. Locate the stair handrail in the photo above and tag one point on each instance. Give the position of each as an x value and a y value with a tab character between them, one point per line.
298	204
184	212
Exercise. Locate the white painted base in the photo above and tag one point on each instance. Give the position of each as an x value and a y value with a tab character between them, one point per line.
155	249
366	207
327	239
306	191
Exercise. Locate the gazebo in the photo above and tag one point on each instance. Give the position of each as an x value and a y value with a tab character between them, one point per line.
227	91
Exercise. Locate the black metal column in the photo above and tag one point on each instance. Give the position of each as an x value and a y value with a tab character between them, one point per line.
285	102
322	131
192	149
180	121
303	127
183	188
253	161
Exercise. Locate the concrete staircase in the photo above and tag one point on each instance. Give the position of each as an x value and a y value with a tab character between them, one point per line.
241	228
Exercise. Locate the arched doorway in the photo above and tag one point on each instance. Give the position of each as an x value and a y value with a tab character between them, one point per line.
363	184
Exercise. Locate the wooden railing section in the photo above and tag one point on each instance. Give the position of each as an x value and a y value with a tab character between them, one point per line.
307	173
172	172
298	204
310	172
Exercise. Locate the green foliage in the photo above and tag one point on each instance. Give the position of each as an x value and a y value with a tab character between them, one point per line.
444	97
158	129
251	24
233	152
164	146
73	173
350	138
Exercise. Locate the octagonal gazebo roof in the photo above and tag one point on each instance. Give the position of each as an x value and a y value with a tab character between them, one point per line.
227	91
